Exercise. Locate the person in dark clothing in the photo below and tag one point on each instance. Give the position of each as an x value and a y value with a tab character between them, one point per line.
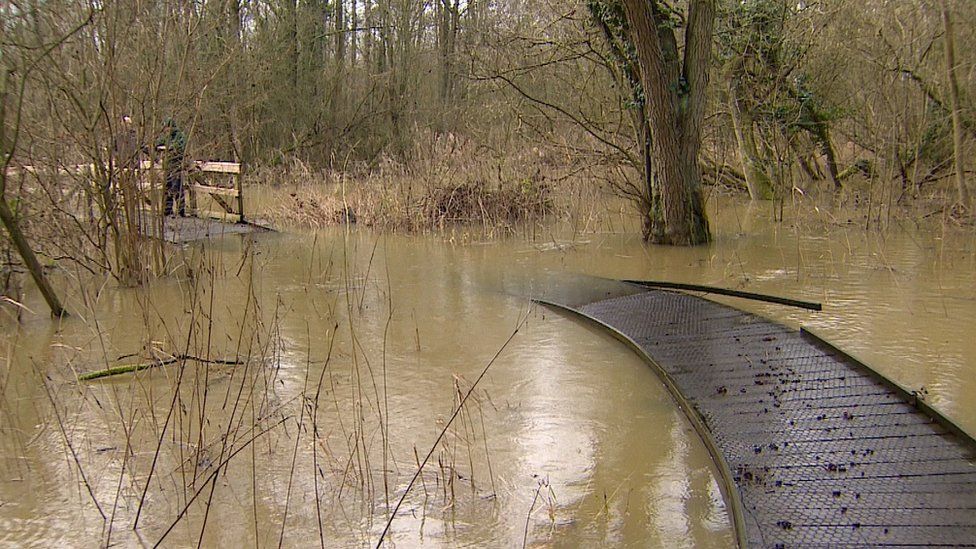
173	145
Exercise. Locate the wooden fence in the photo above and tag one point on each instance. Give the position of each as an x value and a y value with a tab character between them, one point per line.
205	180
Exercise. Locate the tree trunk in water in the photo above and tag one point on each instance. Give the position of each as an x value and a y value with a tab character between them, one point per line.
650	188
675	94
30	260
7	218
757	180
827	147
961	189
132	268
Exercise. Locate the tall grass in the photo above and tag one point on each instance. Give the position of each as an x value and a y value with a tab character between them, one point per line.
447	182
237	417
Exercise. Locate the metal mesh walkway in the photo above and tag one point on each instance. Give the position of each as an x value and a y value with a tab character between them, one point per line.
817	450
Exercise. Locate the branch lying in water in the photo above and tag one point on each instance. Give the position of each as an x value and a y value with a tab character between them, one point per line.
128	368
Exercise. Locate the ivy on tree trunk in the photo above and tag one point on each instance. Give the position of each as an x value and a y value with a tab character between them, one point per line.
675	90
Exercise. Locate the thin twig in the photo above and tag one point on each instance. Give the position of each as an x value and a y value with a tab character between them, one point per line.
74	454
528	516
213	478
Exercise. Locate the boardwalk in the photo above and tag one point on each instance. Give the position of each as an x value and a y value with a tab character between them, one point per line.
207	183
813	448
179	230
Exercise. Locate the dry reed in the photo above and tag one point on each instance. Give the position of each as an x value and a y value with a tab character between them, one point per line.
448	181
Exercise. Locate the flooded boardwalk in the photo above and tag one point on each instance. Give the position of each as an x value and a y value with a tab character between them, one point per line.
813	447
179	230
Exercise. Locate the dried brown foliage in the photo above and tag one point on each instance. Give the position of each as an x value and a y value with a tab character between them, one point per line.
448	181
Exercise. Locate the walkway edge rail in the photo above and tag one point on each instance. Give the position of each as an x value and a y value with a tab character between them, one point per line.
727	484
810	305
910	396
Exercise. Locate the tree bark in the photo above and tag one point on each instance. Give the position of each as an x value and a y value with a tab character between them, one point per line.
340	32
827	146
7	217
450	18
233	118
30	260
368	36
294	68
675	92
757	180
961	189
354	37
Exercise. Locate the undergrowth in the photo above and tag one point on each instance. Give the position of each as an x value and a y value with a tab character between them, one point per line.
447	181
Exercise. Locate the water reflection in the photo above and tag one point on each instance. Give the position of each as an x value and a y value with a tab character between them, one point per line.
570	440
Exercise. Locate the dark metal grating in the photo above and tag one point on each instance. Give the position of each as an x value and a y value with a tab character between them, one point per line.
822	452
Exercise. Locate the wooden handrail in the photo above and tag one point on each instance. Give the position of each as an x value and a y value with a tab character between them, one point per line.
226	191
205	166
233	169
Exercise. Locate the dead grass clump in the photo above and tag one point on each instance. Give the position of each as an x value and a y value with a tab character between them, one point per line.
445	181
473	203
307	207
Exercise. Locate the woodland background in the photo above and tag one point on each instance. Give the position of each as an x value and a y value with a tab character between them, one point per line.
807	96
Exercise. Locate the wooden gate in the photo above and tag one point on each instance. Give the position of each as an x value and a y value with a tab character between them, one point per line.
218	183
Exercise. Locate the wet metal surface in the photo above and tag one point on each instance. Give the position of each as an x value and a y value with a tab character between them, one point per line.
821	451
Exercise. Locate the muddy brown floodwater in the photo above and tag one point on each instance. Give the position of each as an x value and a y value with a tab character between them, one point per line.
355	348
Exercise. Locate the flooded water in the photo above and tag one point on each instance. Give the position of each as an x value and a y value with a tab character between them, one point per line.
352	351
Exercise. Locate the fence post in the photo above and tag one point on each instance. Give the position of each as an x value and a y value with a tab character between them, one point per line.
239	183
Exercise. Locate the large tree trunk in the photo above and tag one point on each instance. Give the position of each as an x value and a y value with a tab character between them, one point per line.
675	93
368	36
961	189
354	35
340	32
292	48
450	15
233	118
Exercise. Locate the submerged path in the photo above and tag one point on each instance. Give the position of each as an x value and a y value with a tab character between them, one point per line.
814	449
180	230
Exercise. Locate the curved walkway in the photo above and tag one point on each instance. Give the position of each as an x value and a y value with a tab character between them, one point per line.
813	447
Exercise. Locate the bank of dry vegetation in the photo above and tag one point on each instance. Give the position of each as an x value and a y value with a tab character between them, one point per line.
447	183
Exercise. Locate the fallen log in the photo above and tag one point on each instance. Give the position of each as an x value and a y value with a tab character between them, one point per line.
155	363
